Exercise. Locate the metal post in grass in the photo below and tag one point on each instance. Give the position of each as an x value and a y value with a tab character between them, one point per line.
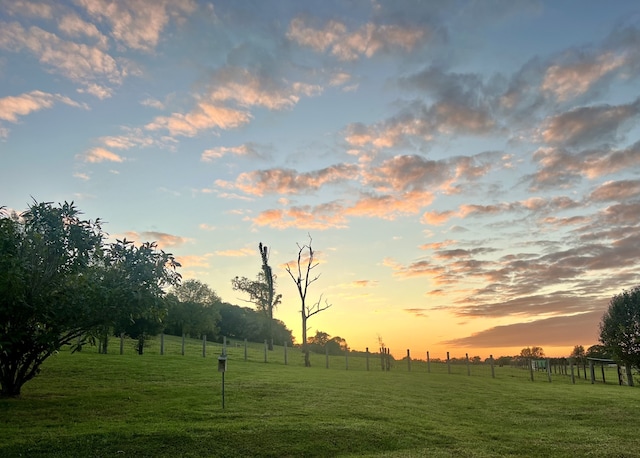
428	363
326	357
245	349
222	367
285	352
408	360
122	343
204	345
466	355
266	348
367	358
183	339
448	364
161	343
549	369
493	369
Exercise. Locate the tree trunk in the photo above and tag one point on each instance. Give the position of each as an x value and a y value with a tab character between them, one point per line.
305	345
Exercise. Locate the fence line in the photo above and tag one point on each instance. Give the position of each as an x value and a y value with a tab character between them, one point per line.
563	370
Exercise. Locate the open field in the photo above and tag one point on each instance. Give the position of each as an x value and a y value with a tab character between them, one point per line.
91	405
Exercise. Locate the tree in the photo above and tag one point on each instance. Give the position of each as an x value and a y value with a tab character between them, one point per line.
60	283
134	282
620	327
302	278
261	291
578	353
193	309
598	352
47	257
532	352
323	342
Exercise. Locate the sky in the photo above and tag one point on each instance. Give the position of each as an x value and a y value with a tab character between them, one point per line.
467	172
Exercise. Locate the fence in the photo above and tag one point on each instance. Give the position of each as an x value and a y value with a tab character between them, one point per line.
557	370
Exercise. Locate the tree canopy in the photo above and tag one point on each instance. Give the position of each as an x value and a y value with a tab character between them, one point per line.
620	327
60	282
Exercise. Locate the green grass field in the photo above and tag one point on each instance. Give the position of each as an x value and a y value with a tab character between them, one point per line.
91	405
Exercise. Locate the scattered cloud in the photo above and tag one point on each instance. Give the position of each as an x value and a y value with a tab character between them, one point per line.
13	107
366	41
96	155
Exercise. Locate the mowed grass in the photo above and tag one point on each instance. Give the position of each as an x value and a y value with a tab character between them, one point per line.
91	405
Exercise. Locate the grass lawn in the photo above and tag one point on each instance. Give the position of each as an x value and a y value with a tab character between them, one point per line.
90	405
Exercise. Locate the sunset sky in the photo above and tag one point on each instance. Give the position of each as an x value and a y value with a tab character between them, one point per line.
468	171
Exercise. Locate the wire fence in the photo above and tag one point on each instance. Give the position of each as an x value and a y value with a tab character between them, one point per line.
556	370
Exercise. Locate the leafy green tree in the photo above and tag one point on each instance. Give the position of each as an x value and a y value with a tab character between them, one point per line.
46	289
578	353
598	351
620	327
323	342
59	283
193	310
532	352
134	284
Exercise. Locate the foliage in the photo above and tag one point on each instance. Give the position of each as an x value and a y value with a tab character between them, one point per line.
134	281
59	283
245	323
578	353
261	291
193	310
323	343
620	327
532	352
598	351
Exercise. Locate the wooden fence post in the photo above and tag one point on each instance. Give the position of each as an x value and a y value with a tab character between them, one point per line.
627	368
531	368
266	348
204	345
367	358
448	364
428	363
408	360
161	343
326	357
466	355
285	352
346	358
592	371
122	343
549	369
224	345
183	338
573	377
493	370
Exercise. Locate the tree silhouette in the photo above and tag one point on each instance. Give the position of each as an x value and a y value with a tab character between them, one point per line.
303	278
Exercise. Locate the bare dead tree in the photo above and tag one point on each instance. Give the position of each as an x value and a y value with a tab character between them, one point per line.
303	278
